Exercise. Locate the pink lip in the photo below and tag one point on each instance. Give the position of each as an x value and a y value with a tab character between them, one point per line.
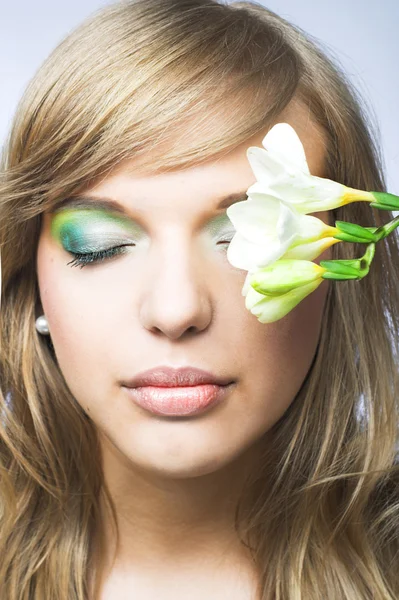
178	401
177	392
164	376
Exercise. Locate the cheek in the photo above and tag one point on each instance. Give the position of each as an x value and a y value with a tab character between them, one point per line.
78	323
292	340
278	356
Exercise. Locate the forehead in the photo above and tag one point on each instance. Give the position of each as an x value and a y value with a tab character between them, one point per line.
311	134
297	114
210	181
218	177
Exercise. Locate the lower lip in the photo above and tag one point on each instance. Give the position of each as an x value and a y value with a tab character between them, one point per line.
178	401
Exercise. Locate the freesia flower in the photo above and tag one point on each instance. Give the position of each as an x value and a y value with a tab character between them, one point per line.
273	291
268	308
272	223
282	171
276	240
267	229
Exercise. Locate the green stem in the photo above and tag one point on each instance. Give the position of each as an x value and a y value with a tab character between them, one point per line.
366	259
385	201
354	268
383	231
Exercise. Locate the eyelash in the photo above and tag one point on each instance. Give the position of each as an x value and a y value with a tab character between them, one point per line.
81	260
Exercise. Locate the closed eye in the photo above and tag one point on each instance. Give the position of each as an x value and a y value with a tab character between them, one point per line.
81	260
87	258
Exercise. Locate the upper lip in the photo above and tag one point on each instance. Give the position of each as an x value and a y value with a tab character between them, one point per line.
164	376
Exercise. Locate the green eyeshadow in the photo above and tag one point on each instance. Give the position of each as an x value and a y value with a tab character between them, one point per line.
91	230
85	230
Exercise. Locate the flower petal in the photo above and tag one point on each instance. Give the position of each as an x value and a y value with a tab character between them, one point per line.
300	228
264	165
284	275
288	225
247	286
311	250
307	193
266	229
312	228
263	215
284	143
272	308
253	298
243	254
256	220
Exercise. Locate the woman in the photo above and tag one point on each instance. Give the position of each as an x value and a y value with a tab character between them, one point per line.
132	136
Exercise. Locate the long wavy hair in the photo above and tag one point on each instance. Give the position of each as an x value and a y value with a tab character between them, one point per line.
149	80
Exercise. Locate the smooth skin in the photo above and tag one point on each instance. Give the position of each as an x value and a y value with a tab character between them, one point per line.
176	300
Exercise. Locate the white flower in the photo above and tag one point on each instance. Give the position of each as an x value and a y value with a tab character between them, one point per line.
268	229
273	291
269	308
282	171
273	227
281	287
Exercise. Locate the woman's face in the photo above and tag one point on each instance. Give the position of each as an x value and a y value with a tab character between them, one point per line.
172	299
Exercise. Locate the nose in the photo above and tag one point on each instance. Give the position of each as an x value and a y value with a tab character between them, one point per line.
176	297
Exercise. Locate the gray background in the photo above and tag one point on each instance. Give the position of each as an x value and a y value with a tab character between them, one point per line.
363	37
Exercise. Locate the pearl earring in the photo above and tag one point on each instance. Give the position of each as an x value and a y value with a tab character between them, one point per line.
42	325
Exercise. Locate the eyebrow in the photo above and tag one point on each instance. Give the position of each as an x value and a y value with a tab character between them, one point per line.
82	201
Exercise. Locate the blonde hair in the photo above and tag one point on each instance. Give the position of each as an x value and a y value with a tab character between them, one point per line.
150	80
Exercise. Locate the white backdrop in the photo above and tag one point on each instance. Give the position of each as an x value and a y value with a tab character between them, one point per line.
363	36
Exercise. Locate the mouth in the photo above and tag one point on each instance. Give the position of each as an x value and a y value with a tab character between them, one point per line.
179	401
